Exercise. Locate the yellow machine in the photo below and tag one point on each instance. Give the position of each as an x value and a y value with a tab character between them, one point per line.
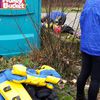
13	91
11	80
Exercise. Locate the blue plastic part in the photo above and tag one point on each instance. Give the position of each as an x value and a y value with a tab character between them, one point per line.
9	76
20	29
50	73
3	78
1	97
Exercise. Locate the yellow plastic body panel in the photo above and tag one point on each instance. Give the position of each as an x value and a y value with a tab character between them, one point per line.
15	91
44	67
50	86
35	81
19	69
47	67
52	79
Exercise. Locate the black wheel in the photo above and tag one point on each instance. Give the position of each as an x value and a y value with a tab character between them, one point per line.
40	93
53	96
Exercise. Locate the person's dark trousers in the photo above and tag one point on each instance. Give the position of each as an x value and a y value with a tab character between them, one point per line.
90	67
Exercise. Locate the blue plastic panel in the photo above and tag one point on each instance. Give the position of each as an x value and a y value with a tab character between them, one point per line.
20	30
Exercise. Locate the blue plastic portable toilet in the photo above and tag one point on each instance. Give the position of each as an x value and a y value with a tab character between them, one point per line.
19	26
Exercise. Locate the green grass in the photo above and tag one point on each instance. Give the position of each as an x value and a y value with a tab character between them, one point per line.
66	93
69	38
